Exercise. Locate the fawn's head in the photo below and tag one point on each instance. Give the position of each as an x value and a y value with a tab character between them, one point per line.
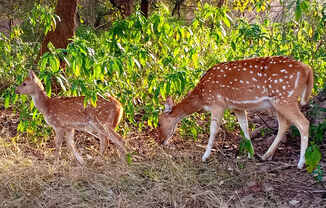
167	122
30	85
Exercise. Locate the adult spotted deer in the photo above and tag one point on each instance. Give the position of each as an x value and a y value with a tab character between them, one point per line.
251	84
65	114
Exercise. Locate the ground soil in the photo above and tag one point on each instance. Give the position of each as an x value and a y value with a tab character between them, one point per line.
158	176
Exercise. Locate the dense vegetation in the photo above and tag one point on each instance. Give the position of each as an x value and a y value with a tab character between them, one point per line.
143	60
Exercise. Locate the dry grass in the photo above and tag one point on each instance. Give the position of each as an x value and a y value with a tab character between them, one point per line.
157	177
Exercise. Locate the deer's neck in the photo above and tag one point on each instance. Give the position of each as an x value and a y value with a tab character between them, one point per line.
40	100
187	106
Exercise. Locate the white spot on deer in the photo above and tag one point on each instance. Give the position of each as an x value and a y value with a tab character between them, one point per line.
230	82
218	75
250	66
222	85
275	81
291	76
254	79
258	87
290	65
224	75
274	75
235	79
281	80
265	67
270	86
222	70
241	81
244	69
259	74
283	71
290	93
247	82
216	82
251	72
283	87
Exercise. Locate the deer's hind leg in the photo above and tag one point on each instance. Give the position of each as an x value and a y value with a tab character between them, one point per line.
104	134
292	113
283	125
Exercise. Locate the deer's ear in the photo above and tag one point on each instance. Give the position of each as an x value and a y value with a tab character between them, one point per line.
31	74
168	105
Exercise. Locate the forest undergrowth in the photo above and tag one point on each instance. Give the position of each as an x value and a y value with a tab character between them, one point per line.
141	61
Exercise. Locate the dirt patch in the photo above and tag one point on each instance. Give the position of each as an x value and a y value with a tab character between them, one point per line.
172	176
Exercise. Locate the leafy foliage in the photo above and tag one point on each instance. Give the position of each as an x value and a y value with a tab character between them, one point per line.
141	60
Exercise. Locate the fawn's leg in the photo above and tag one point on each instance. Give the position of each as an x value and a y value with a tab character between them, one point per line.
70	142
105	134
283	125
214	128
59	135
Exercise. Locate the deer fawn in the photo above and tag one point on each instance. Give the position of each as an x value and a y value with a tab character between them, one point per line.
65	114
251	84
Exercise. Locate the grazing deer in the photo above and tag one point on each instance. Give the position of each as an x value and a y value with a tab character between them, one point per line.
65	114
251	84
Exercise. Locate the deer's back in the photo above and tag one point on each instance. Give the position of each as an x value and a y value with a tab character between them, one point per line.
253	83
70	112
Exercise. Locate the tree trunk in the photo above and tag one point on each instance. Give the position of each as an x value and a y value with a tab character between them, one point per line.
144	7
90	13
177	6
65	29
125	6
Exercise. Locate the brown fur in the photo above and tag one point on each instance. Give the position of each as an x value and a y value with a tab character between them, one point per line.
251	84
65	114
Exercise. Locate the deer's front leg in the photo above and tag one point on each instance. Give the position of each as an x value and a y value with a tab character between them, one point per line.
214	128
59	135
243	121
70	142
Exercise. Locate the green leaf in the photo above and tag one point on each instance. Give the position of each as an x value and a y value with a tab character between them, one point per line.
298	11
313	157
233	46
7	101
246	146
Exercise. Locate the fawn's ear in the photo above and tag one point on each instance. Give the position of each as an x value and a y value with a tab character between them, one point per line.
31	74
168	105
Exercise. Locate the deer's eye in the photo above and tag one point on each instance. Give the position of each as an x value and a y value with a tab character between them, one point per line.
24	84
